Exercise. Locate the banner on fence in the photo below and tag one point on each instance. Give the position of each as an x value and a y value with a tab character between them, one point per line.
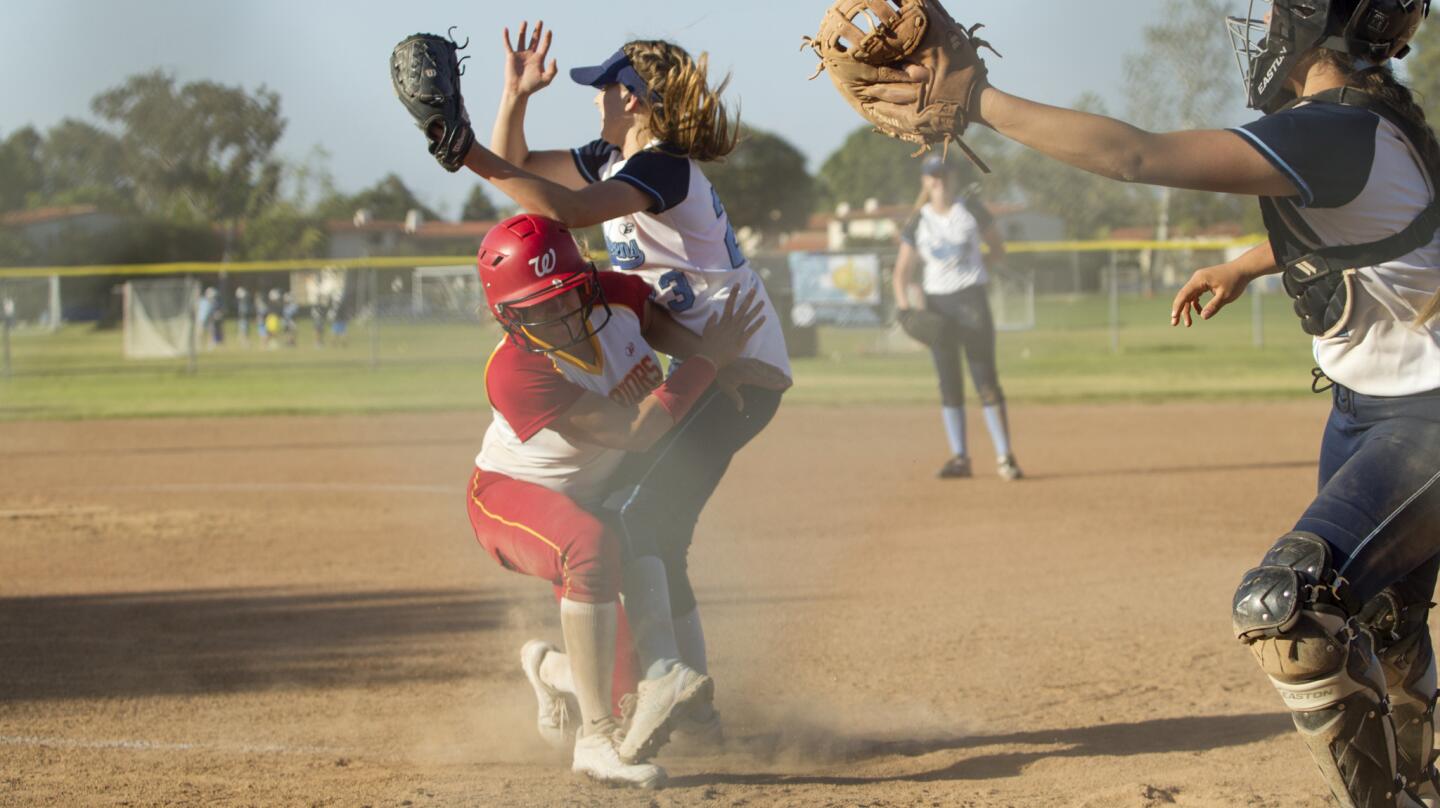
835	289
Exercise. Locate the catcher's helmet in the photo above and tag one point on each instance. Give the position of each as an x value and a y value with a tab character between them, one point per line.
1369	30
527	260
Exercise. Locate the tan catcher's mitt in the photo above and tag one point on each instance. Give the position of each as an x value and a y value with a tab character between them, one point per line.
906	66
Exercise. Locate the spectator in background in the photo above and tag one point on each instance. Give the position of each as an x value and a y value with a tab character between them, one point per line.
339	319
317	320
272	318
204	309
288	313
215	323
243	310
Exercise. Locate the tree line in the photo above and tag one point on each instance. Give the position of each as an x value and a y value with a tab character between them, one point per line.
195	167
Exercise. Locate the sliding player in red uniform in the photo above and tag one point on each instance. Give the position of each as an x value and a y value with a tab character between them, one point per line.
575	385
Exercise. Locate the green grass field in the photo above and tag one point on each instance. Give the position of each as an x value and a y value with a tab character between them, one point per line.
80	373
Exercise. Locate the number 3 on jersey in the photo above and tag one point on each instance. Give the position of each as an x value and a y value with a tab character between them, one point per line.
682	296
737	258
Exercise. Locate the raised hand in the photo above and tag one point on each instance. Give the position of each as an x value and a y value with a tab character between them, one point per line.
525	70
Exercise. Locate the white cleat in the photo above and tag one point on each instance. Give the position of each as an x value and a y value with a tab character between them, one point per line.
1009	470
559	714
658	702
597	757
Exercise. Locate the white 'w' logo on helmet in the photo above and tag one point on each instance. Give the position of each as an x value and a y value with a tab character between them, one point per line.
543	264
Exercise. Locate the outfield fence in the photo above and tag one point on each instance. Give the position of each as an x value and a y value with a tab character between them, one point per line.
194	318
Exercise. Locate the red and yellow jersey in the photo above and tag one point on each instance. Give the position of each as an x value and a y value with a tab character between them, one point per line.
528	391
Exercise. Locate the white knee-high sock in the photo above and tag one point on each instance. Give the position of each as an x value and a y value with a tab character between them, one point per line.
690	637
589	630
999	426
647	607
555	671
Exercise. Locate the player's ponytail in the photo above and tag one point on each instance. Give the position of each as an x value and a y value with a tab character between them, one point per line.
685	112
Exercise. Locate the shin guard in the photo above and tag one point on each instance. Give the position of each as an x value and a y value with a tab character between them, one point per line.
1292	613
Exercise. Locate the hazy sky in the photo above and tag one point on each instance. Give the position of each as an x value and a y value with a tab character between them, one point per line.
329	63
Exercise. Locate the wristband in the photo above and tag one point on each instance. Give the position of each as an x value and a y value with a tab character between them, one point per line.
685	386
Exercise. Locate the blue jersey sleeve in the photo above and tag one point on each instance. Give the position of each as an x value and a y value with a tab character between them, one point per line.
1327	150
663	177
591	158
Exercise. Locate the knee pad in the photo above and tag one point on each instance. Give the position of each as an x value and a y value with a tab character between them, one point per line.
1407	658
1292	612
1293	577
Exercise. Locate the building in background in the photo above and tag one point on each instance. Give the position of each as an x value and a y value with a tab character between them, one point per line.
875	225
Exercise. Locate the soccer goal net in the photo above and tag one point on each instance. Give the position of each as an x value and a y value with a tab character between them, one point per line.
1012	299
450	293
159	318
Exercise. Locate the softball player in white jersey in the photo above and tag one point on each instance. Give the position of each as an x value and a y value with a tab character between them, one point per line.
641	179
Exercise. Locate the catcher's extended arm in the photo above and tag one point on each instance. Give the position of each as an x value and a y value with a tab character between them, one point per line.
906	66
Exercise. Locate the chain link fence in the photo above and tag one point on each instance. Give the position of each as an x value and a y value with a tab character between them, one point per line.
413	311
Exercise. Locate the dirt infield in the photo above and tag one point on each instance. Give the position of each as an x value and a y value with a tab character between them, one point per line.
293	612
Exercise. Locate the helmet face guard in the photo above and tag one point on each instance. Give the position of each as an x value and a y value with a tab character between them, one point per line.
528	260
512	314
1266	53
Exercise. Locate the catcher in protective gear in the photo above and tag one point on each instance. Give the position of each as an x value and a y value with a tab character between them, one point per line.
906	66
426	75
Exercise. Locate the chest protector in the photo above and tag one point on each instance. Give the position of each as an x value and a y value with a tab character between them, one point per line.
1321	279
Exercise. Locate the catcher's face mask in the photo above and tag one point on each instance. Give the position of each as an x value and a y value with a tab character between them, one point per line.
1269	46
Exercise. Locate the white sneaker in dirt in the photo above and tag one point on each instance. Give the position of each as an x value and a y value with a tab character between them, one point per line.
559	714
657	703
596	757
1009	470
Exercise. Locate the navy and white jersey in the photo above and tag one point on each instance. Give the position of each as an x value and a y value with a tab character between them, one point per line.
1361	180
948	243
683	245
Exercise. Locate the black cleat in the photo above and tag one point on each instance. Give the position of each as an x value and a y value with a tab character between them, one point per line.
955	468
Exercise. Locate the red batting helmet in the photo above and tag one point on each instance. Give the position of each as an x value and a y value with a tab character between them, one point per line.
527	260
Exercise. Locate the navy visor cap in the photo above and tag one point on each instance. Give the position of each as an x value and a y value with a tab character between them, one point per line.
615	70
